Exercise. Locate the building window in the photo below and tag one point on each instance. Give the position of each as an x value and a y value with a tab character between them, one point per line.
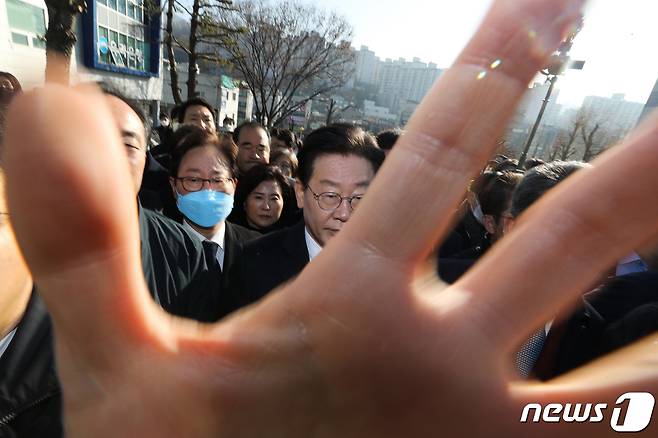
130	8
39	42
121	50
27	23
19	38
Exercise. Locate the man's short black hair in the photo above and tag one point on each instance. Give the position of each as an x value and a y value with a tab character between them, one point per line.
503	165
341	139
248	125
196	137
539	180
178	112
111	90
496	189
285	135
386	139
533	162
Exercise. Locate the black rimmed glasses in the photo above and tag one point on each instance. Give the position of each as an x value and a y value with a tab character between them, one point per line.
329	201
194	184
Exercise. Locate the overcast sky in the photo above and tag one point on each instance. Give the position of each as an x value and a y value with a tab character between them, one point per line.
619	41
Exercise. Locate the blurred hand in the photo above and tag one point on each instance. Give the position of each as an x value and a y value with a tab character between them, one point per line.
359	344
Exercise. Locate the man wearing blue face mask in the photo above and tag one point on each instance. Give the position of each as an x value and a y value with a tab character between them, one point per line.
203	182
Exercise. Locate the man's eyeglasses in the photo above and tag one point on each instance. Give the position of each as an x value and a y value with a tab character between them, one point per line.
329	201
194	184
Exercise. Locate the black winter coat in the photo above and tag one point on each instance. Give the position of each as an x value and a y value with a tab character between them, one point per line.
30	397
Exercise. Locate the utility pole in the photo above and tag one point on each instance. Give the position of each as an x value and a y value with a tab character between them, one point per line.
558	63
552	80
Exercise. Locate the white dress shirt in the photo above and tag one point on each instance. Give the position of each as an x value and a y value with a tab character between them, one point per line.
4	342
313	247
218	238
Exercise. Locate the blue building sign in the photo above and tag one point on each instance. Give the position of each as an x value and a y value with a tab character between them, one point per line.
122	36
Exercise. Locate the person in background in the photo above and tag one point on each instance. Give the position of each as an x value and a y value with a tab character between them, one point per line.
469	232
164	128
286	160
617	312
196	111
336	166
203	181
264	200
181	278
283	139
387	139
155	192
253	142
495	198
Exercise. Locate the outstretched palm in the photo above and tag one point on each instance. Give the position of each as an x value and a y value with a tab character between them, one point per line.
358	345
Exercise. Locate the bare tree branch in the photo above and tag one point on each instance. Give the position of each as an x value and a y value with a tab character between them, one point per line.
288	54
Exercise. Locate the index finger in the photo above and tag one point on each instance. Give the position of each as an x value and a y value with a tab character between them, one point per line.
455	129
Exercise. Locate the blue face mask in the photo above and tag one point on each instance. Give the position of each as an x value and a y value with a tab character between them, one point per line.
205	207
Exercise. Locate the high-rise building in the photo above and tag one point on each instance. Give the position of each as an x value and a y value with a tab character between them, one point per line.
652	102
367	66
245	106
400	81
615	113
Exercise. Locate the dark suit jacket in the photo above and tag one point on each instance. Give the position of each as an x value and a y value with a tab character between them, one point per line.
616	314
234	241
182	275
155	192
266	263
211	305
30	395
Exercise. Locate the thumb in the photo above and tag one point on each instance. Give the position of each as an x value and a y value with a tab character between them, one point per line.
74	212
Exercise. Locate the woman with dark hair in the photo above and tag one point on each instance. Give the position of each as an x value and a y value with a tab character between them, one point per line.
263	200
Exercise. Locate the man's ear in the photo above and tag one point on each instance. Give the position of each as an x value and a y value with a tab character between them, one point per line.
490	224
299	193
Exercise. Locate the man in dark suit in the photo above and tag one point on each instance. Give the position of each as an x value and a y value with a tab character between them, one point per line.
494	194
618	312
336	166
203	183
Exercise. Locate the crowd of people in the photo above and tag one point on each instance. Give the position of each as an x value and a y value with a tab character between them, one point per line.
227	218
